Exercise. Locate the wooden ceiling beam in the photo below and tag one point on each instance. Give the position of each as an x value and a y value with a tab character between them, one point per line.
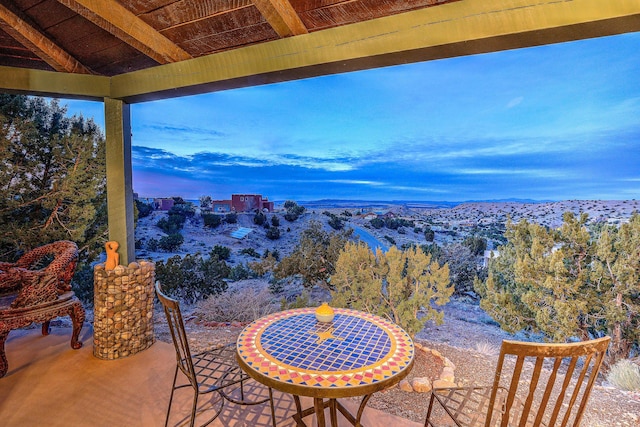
281	16
38	43
54	84
454	29
114	18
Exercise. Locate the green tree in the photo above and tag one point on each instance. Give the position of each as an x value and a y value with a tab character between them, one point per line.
52	178
429	234
314	258
222	252
293	210
399	285
273	233
259	218
171	242
476	244
462	266
191	278
211	220
568	283
617	269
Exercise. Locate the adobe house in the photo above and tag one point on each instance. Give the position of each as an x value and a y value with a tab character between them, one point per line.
122	53
250	202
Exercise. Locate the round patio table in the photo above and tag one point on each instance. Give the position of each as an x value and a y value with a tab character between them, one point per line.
356	354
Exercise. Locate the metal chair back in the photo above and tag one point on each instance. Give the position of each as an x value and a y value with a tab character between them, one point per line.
178	335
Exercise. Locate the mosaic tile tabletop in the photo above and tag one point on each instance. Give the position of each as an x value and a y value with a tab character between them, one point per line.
355	349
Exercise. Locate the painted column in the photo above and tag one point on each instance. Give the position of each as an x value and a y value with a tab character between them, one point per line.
119	181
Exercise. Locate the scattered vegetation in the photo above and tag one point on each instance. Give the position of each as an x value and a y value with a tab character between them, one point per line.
222	252
314	258
211	220
568	283
244	304
625	375
171	242
293	210
402	286
192	278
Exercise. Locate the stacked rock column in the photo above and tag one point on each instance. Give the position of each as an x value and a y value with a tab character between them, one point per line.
123	309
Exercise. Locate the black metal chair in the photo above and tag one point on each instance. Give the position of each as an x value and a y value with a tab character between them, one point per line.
211	371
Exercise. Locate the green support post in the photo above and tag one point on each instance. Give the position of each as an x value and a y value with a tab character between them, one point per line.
119	181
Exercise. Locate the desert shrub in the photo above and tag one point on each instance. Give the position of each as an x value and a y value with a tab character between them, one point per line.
477	245
231	218
192	278
346	213
402	286
429	234
300	301
152	244
171	224
241	272
211	220
259	218
390	239
377	223
171	242
265	265
251	252
625	375
144	209
275	221
238	305
314	257
273	233
487	348
293	210
222	252
275	254
184	209
336	223
462	267
568	282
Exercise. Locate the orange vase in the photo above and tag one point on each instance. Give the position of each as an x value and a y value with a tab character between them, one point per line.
324	313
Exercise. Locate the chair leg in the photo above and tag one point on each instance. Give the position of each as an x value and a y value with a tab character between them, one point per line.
428	423
173	389
194	408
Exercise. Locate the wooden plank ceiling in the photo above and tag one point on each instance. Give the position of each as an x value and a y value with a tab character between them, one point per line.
113	37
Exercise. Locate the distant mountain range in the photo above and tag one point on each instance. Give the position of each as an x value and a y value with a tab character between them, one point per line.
355	203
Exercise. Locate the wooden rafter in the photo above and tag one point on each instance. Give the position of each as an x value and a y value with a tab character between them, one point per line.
281	16
114	18
38	43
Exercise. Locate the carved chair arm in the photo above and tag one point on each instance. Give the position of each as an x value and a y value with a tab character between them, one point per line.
37	287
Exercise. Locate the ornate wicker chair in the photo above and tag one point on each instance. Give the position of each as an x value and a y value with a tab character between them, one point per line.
37	289
534	385
37	302
211	371
58	258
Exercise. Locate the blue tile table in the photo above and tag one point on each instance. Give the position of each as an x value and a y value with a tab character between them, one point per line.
356	354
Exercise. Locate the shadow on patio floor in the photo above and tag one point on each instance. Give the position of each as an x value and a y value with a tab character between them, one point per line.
50	384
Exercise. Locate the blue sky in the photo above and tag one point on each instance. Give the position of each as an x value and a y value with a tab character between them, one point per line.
547	123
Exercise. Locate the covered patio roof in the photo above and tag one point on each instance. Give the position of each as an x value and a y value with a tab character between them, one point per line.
124	52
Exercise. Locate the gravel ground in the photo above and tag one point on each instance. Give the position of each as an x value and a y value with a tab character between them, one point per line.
469	339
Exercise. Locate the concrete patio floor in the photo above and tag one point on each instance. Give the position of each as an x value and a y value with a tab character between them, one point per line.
50	384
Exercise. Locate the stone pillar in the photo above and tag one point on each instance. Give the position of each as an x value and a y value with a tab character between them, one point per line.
123	309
